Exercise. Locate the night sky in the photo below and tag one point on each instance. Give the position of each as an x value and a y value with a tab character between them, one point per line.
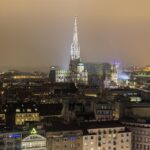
38	33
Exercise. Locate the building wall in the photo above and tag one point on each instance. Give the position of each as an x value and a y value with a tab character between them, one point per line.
14	141
62	76
34	142
117	138
2	117
139	111
59	75
90	142
110	139
65	140
103	111
140	136
10	141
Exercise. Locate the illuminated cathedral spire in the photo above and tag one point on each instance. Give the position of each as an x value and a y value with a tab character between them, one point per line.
75	47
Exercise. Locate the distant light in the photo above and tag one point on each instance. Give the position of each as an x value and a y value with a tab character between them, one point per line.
123	77
15	136
53	67
33	131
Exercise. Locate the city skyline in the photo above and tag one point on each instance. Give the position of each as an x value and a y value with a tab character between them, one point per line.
35	34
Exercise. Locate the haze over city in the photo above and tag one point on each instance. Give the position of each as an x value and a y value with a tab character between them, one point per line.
35	34
74	75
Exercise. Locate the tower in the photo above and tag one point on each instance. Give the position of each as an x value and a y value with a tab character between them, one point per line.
114	72
77	71
75	47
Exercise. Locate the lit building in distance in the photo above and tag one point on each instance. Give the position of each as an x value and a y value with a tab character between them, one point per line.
59	75
21	113
18	75
114	73
96	72
78	72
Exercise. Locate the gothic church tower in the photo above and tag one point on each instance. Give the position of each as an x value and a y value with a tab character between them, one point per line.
78	73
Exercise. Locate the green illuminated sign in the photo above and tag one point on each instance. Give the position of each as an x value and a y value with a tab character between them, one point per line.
33	131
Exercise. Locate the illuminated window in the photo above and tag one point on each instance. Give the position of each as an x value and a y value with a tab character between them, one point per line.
85	144
28	110
17	110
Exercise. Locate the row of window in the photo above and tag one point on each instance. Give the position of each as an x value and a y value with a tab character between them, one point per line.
27	115
111	131
68	146
141	132
99	106
102	112
141	139
141	147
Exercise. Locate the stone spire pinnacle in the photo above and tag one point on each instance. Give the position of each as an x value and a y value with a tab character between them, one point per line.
75	34
75	48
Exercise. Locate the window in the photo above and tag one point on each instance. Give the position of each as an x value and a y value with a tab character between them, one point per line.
110	131
99	138
115	131
57	140
65	146
122	141
114	143
17	110
85	144
92	143
99	144
28	110
104	132
109	142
